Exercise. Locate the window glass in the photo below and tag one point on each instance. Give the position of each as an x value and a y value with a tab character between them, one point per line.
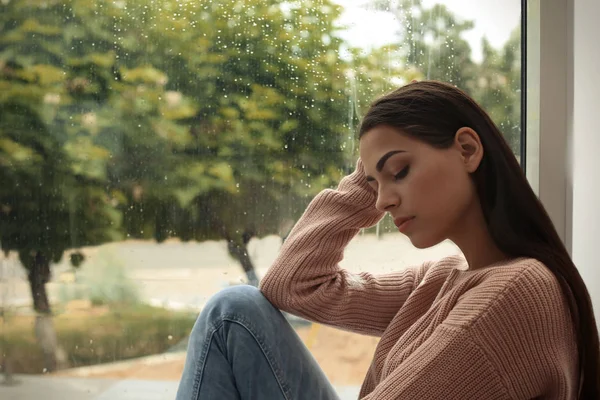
155	152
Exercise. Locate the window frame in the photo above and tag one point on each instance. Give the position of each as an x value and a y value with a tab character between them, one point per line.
549	99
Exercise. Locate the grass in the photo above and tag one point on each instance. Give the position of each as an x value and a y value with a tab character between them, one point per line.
96	337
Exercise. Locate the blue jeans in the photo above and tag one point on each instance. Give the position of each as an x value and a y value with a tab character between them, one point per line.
242	347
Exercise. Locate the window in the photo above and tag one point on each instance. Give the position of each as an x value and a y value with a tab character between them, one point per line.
154	152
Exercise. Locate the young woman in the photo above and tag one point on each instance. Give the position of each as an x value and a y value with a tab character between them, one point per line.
511	319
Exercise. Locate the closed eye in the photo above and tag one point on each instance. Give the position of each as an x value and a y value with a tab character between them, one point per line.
402	174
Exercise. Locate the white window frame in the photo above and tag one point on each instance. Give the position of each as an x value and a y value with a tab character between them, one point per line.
549	92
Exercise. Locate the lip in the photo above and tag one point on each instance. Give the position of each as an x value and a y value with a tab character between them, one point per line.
403	223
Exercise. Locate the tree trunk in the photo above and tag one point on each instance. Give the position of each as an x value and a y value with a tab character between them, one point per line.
7	368
239	251
54	356
39	274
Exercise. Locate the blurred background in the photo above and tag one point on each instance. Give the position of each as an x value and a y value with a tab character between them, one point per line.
153	152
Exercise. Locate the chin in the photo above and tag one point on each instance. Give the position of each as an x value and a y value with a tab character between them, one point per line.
421	242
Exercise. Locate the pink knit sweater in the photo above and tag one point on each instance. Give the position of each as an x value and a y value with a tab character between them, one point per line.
500	332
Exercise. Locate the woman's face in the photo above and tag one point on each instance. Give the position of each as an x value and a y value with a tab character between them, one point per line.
427	191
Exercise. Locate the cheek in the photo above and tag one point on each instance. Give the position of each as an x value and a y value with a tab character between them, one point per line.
440	198
437	190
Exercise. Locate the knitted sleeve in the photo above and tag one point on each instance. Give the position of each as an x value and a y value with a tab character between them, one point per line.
306	280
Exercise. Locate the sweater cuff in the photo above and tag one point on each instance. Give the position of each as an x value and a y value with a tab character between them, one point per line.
357	187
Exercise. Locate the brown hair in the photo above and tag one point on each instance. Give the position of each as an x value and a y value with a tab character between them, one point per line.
432	112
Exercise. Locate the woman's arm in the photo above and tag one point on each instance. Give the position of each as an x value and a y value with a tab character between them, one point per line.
306	280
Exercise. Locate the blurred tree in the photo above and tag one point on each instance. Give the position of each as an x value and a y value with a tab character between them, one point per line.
497	87
264	96
430	41
198	120
52	196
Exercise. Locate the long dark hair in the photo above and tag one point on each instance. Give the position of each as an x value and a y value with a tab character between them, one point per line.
432	112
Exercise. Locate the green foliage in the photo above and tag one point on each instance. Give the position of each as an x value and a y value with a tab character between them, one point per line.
497	87
245	107
45	205
53	174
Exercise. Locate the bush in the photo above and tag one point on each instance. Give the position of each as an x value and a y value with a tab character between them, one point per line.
91	339
103	280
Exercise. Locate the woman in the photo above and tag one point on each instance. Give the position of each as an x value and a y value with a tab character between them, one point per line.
512	319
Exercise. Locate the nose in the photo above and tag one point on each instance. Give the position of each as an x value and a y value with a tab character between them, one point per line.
387	199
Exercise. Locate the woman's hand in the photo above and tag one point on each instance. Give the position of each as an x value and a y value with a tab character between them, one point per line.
356	184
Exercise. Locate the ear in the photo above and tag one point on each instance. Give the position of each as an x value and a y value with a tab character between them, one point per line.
468	143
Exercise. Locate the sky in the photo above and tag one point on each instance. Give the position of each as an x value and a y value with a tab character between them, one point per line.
494	19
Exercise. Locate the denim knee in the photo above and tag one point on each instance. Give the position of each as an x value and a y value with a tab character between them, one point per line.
243	300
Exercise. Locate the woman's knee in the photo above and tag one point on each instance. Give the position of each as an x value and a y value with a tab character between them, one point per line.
239	300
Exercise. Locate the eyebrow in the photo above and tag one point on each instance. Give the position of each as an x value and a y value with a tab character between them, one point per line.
383	160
